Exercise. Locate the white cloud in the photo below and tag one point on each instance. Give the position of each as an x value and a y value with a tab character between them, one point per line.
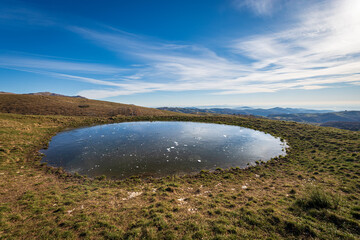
259	7
48	64
320	51
12	15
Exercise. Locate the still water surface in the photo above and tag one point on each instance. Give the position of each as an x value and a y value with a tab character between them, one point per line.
158	148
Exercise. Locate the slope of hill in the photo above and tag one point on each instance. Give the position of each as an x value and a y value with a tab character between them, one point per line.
243	111
53	94
349	120
70	106
344	116
352	126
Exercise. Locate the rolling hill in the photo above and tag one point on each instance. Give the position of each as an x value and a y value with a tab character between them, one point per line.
243	111
349	120
343	116
352	126
52	104
53	94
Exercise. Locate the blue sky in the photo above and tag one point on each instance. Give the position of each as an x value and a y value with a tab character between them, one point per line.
265	53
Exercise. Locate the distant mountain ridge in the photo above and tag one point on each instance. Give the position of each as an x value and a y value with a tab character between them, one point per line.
243	110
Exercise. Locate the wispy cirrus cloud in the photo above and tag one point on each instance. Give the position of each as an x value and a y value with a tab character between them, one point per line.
259	7
319	51
11	14
50	64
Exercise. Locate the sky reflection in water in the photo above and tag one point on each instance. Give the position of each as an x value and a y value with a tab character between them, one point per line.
158	148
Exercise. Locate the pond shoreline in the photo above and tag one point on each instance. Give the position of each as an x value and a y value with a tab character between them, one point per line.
189	134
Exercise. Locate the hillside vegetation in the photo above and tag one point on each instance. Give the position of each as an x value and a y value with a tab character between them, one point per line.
352	126
242	111
70	106
343	116
311	193
349	120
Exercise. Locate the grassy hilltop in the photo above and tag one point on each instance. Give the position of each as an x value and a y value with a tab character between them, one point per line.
70	106
312	193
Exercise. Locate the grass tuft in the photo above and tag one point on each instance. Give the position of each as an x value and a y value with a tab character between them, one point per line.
317	198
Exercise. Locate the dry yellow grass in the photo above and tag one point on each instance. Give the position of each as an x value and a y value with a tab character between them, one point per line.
71	106
37	202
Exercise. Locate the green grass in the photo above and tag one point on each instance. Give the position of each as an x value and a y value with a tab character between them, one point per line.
312	193
343	116
318	199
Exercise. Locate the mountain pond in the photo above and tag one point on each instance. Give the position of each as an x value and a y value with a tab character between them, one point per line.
158	149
